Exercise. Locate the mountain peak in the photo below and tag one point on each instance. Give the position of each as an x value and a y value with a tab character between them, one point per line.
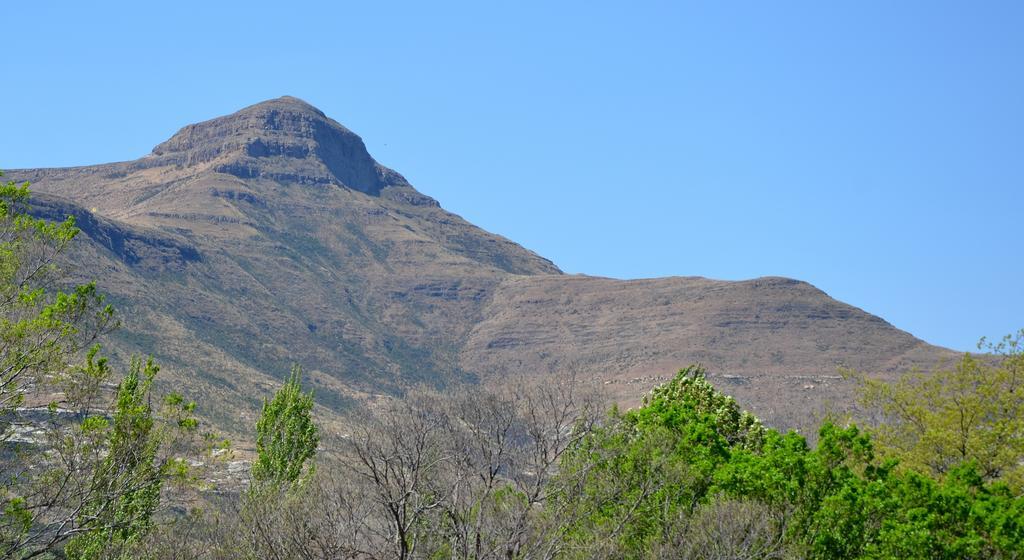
287	103
283	139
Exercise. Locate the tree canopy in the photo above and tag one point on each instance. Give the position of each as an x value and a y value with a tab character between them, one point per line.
972	412
650	473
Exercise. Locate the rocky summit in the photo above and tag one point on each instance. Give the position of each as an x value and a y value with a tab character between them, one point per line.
271	236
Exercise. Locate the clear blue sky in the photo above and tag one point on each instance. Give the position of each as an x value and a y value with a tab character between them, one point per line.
872	148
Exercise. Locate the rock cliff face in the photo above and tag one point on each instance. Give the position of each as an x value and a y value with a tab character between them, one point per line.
270	236
284	139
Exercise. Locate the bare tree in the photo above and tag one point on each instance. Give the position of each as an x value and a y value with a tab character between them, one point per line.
505	446
396	461
467	474
727	529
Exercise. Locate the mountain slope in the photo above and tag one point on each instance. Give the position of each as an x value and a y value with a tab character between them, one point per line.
271	236
775	344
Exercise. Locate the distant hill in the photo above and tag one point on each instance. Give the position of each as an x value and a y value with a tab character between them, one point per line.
270	236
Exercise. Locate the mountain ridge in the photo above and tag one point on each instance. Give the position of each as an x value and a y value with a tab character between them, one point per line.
249	241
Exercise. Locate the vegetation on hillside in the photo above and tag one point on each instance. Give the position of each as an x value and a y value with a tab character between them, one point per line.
84	455
518	471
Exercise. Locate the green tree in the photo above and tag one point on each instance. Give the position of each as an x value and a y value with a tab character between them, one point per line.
970	413
80	470
40	330
839	500
128	479
649	466
690	398
658	478
286	442
286	436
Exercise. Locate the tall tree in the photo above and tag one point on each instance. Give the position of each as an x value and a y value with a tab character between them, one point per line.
286	442
41	331
286	436
128	479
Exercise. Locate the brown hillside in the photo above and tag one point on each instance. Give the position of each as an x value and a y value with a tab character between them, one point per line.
775	344
270	236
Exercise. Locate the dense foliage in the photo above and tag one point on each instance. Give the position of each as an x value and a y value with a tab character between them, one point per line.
651	470
286	437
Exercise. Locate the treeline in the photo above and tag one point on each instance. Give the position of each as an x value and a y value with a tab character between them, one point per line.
95	465
538	471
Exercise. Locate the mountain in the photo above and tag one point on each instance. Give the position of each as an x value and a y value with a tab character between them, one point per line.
271	236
